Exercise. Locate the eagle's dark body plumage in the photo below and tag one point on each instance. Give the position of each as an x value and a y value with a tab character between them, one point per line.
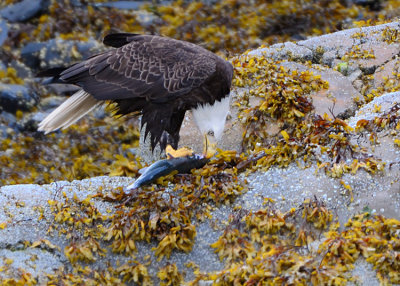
157	77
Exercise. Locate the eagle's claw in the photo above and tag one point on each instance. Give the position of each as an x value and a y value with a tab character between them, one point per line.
182	152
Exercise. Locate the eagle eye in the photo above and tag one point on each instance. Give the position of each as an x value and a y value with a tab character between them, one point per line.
210	133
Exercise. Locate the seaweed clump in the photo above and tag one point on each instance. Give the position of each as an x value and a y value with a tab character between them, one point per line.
282	98
10	76
271	247
168	216
165	213
219	25
95	151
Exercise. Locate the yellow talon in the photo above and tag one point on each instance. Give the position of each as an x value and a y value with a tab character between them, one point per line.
208	151
182	152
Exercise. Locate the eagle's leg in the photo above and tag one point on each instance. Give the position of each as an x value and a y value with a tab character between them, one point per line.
209	149
182	152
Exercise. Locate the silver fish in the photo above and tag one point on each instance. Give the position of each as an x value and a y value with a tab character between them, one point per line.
167	166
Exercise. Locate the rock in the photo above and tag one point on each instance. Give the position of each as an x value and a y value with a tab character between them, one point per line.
369	111
354	76
37	117
144	17
9	118
3	130
62	89
15	97
386	71
3	31
22	70
338	98
344	67
328	57
383	53
374	5
285	51
57	52
26	226
8	124
344	41
52	102
337	45
24	10
30	54
340	41
32	220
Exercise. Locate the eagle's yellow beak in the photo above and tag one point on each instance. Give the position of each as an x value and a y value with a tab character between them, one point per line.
210	146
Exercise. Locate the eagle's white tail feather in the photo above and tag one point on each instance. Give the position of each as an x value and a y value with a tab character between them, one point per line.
70	111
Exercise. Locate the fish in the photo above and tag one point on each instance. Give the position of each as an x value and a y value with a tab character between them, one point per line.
167	166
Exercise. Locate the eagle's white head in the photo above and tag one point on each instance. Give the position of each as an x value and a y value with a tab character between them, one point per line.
210	118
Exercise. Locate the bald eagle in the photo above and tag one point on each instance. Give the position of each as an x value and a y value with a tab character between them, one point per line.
158	77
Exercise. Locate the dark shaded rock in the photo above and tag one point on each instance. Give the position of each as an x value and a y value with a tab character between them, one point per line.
24	10
374	5
328	58
3	31
31	121
15	97
30	54
57	52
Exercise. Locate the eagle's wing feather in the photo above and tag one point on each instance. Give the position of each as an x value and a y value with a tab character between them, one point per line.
150	67
117	40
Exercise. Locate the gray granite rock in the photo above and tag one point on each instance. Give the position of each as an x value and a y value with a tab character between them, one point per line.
57	52
32	218
3	31
285	51
24	10
369	111
14	97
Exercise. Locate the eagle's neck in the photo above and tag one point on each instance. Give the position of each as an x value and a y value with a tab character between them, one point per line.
211	117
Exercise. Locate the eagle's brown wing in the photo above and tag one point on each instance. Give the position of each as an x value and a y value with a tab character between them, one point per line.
150	67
